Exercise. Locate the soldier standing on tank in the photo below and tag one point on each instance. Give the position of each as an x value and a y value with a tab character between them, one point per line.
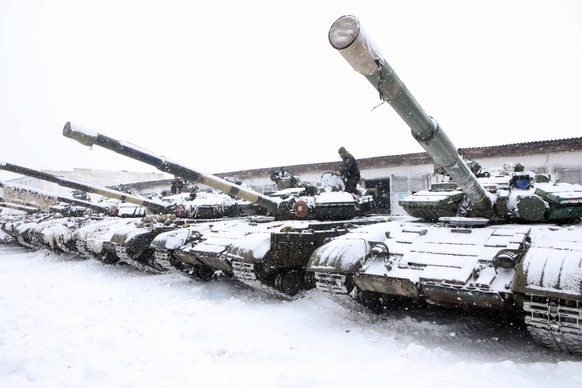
177	185
349	171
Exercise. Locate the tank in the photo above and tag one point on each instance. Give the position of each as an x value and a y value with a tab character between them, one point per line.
277	255
509	241
127	241
60	233
55	228
9	213
133	243
92	240
167	245
120	241
250	248
223	245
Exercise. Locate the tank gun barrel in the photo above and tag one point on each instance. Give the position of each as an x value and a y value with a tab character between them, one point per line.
347	36
89	138
77	185
71	201
17	206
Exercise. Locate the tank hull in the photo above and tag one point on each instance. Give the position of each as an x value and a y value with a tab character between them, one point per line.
533	270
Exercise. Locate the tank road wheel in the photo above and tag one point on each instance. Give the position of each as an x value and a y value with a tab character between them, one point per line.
152	262
109	258
349	284
177	264
309	280
203	273
149	258
289	282
370	299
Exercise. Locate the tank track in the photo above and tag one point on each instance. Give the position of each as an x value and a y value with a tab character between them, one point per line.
331	283
270	291
245	273
555	322
122	254
25	243
82	249
6	239
163	258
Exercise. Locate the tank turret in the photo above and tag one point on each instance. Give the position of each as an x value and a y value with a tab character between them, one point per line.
517	198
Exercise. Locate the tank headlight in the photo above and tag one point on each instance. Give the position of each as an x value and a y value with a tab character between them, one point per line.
506	259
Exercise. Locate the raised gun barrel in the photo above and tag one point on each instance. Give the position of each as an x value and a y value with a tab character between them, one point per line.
88	137
77	185
347	36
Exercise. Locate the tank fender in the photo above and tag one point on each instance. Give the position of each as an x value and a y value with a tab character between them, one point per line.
250	249
341	255
174	239
552	271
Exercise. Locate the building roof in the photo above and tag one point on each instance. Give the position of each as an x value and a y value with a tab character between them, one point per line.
513	150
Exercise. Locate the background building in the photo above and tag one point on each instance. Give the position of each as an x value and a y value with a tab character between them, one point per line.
390	177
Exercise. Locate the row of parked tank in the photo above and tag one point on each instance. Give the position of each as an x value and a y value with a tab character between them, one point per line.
195	233
488	239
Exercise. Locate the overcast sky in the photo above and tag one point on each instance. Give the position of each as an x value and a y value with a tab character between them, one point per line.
231	85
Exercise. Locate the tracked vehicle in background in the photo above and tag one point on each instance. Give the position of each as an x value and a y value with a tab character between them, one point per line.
61	233
133	243
51	219
120	228
501	241
270	247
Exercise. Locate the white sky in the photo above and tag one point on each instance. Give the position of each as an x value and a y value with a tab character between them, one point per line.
230	85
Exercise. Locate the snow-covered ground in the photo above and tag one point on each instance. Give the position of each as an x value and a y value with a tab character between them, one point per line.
66	322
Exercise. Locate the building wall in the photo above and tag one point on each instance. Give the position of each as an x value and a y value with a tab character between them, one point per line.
563	164
563	167
558	165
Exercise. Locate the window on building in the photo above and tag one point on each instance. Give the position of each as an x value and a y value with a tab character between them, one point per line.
569	175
